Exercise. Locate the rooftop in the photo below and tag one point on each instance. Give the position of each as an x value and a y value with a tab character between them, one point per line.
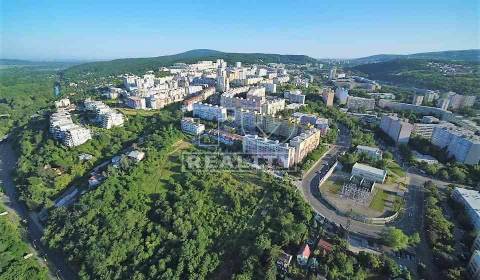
369	168
472	198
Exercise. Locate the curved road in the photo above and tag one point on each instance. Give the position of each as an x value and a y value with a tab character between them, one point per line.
56	260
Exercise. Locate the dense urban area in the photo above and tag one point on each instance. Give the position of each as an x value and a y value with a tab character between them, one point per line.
213	165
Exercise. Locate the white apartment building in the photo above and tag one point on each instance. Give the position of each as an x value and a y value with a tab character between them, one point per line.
64	130
470	199
462	144
209	112
398	130
106	116
136	102
191	127
263	148
372	152
369	173
359	103
111	119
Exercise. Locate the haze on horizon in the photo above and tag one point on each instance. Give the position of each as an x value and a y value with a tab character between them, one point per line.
92	30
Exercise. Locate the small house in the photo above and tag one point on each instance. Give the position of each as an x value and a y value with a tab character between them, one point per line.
303	255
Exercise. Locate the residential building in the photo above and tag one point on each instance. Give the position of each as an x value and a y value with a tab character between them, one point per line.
470	199
341	94
424	158
372	152
111	119
209	112
313	120
224	137
458	101
328	94
295	96
369	173
62	103
105	116
417	99
262	148
381	95
399	131
64	130
443	103
332	74
135	102
425	110
250	121
462	144
303	255
305	143
359	103
190	126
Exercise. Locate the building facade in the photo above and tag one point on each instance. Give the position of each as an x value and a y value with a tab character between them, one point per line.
399	131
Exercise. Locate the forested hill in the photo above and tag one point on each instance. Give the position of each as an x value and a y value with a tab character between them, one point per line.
460	55
140	65
422	73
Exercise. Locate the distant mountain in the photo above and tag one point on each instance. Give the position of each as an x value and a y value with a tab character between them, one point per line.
421	73
140	65
461	55
16	62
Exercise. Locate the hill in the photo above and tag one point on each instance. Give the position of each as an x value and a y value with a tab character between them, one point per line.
460	55
422	73
140	65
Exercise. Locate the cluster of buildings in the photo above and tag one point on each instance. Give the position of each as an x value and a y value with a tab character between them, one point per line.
255	100
397	129
355	82
64	129
104	115
446	101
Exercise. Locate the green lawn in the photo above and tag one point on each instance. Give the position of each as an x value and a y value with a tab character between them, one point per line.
378	201
333	186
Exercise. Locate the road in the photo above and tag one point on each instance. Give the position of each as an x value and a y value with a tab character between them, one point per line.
56	260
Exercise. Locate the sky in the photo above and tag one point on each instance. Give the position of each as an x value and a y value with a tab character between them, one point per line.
91	30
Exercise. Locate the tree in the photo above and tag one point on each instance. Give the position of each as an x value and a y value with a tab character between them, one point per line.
414	239
395	238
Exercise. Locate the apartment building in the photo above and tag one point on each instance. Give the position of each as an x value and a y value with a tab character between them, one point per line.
458	101
417	99
341	94
369	173
105	116
425	110
190	126
470	199
305	143
64	130
398	130
295	96
328	94
135	102
473	267
359	103
209	112
263	148
462	144
313	120
256	100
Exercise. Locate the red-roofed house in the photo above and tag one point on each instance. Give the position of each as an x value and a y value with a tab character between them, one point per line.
325	246
303	255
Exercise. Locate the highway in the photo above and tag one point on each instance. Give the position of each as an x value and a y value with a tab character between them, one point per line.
56	260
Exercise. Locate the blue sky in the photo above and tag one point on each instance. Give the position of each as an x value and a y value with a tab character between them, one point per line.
350	28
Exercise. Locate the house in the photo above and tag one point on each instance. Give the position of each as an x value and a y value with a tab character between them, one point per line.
85	157
325	246
136	155
284	261
303	255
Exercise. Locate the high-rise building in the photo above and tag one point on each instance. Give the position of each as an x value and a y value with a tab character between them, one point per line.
328	94
341	94
191	127
398	130
263	148
333	74
462	144
458	101
417	99
209	112
295	96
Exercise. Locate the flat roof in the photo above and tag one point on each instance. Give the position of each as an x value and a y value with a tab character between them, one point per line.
471	197
369	168
372	149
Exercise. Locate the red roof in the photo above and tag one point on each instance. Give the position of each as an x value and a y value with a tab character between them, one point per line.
325	245
305	251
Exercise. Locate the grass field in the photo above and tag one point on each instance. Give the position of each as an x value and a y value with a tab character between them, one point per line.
378	201
332	186
164	170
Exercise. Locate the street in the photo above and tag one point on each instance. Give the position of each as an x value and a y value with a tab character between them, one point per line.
56	260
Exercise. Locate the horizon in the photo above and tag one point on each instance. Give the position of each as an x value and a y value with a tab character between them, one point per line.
75	31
